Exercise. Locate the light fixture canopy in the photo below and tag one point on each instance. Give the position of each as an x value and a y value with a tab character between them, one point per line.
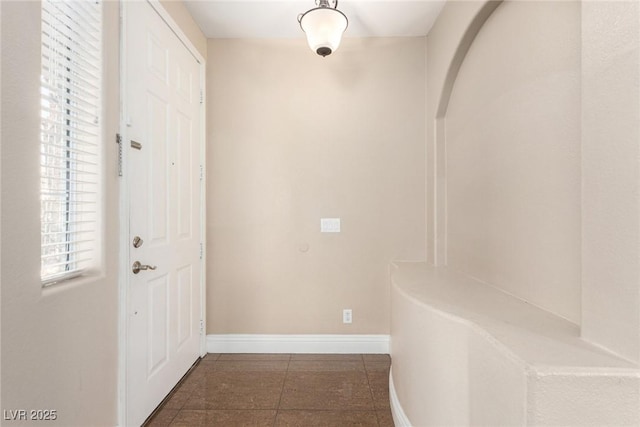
323	26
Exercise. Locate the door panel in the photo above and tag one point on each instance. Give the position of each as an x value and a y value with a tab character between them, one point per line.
158	335
162	104
158	181
184	172
185	305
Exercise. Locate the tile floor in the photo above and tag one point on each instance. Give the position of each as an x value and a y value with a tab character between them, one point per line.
281	390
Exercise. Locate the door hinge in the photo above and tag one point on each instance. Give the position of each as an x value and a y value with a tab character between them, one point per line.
201	250
201	172
201	327
119	142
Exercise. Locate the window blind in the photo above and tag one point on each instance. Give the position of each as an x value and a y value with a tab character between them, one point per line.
71	101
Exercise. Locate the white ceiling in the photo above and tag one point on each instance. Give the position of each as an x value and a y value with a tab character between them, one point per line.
278	19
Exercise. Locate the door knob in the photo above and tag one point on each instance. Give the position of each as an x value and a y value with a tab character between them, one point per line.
137	267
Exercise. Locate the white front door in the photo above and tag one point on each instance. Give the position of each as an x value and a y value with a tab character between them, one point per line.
162	136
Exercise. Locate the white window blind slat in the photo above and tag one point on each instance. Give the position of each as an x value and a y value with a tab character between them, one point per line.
54	233
57	244
64	224
75	151
52	205
59	53
59	276
61	134
69	113
62	168
65	193
83	76
59	253
83	102
71	105
57	74
79	21
78	101
81	16
57	43
69	160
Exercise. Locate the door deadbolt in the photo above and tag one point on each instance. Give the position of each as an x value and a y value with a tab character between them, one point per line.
137	267
137	242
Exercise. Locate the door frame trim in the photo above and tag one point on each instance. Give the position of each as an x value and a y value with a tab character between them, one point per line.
123	199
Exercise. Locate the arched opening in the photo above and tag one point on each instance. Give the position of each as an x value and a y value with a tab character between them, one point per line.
507	145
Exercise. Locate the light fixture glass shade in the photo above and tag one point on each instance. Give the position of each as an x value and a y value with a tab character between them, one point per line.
324	27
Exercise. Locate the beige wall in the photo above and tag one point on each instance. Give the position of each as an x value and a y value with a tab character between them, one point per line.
0	202
513	156
292	138
606	300
59	346
447	44
582	205
611	175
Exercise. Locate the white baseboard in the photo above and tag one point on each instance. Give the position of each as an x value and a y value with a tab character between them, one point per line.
339	344
400	419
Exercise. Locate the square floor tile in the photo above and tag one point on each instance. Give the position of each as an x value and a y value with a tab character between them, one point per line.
378	377
178	398
347	390
238	390
377	362
333	357
162	418
326	418
210	357
379	384
326	365
377	358
380	394
385	419
250	365
224	418
197	376
377	366
254	356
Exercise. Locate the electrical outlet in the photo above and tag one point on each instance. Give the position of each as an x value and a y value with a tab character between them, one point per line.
346	315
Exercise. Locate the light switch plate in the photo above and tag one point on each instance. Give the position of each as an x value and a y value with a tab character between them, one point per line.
329	225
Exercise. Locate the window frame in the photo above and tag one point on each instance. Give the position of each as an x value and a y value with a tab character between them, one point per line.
72	98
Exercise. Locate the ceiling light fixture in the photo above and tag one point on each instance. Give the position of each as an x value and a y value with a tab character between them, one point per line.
323	26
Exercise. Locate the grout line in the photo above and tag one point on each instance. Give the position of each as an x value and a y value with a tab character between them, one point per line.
333	410
174	417
373	402
286	374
